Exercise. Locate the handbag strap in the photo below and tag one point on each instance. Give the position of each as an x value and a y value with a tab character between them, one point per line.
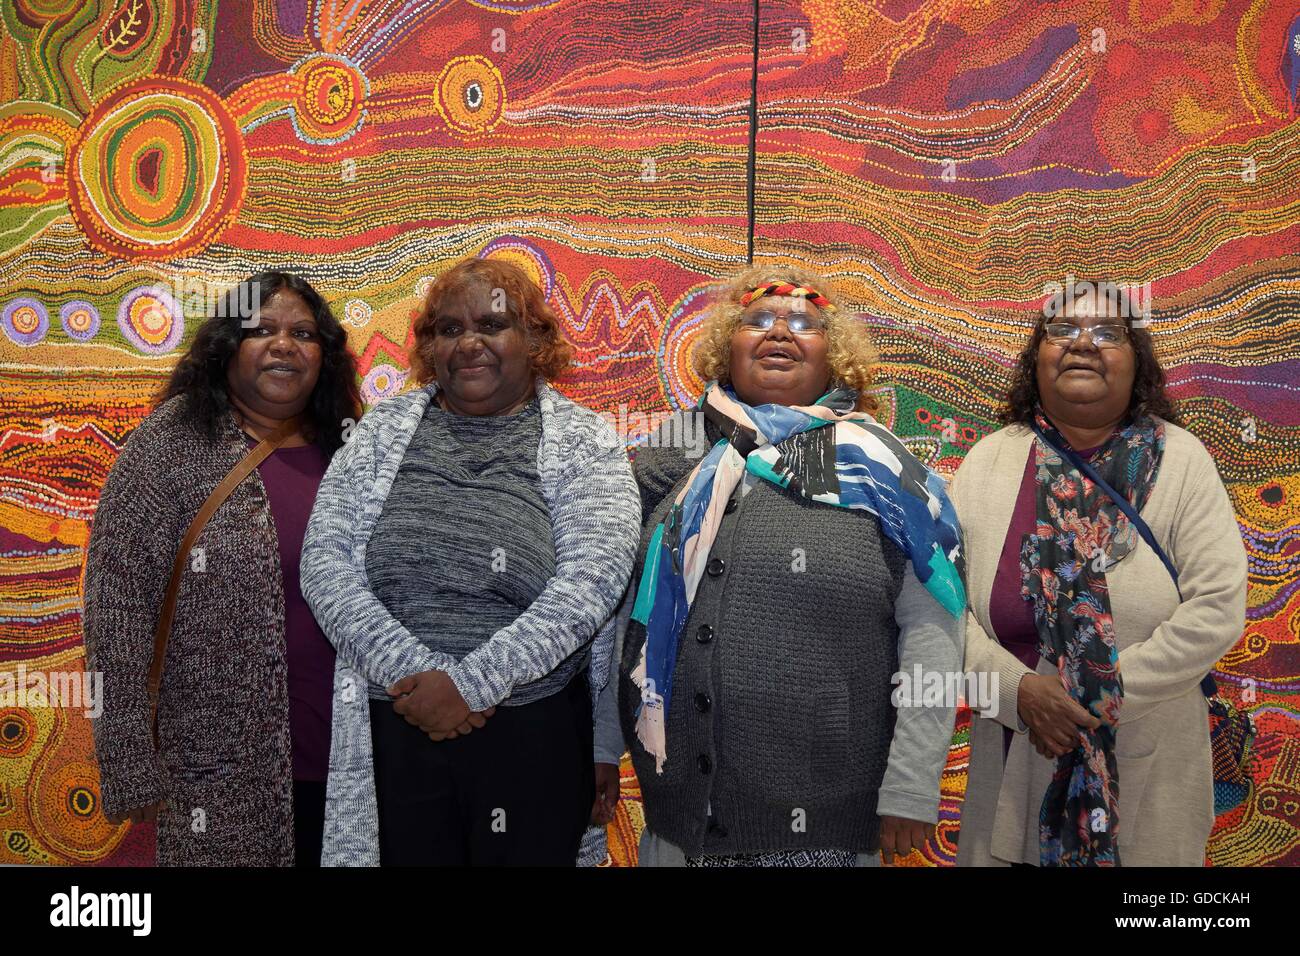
214	501
1053	438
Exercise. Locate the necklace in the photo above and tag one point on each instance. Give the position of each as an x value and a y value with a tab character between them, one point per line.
250	435
440	398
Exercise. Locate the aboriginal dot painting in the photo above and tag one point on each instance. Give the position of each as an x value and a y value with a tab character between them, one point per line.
943	162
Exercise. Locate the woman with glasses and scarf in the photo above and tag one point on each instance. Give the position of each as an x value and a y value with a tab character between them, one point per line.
1097	751
782	581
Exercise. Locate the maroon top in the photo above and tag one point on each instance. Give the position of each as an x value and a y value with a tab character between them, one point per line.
291	477
1010	614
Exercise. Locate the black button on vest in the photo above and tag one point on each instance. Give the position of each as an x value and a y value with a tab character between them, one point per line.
704	633
702	702
715	567
732	505
704	763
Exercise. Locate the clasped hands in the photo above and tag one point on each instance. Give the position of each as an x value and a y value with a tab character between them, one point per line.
1054	717
429	700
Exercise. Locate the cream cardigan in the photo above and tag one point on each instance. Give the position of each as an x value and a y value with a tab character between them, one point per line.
1166	792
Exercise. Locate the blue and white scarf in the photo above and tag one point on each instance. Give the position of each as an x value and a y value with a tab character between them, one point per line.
853	463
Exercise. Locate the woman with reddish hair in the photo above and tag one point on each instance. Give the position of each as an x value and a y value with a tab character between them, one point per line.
465	555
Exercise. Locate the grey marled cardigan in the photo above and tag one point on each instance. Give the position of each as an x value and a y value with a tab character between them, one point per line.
223	717
595	512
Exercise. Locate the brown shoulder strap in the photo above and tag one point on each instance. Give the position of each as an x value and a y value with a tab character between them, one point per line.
219	494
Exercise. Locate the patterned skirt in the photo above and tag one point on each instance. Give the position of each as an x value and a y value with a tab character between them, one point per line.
831	857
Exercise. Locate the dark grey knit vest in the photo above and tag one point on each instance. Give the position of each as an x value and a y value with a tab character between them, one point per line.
780	722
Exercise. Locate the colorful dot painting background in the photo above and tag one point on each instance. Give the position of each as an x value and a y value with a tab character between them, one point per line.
942	161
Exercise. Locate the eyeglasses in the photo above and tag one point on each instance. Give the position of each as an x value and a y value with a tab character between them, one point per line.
799	323
1103	336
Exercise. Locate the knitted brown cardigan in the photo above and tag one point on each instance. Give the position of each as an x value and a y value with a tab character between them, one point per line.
224	757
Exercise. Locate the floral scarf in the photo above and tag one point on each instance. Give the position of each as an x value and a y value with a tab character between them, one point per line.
1081	534
826	452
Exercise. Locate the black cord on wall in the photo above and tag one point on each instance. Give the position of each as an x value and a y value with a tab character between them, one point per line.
753	141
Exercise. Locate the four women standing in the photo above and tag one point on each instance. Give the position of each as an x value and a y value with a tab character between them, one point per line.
471	541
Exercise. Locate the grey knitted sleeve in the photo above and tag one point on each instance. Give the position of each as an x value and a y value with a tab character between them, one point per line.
595	516
609	744
132	545
332	571
931	639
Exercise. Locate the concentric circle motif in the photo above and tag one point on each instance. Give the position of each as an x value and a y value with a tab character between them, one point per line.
682	327
329	105
17	732
80	320
423	285
526	256
357	312
25	321
471	94
381	382
81	801
68	820
157	170
150	319
45	11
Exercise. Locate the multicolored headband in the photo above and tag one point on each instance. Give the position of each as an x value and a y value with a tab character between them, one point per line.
790	289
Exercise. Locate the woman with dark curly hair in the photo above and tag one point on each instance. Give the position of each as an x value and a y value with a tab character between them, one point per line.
233	764
1106	577
465	555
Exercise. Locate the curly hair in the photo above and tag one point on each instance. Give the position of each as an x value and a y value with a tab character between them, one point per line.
850	353
548	352
201	372
1148	397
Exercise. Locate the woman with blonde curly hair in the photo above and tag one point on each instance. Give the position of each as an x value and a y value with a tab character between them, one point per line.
782	582
466	553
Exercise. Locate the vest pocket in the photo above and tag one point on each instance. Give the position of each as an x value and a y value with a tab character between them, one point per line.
768	736
1133	774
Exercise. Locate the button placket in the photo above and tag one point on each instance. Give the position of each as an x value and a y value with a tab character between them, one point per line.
715	570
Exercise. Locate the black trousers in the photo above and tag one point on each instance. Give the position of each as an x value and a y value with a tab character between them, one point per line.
308	821
517	792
